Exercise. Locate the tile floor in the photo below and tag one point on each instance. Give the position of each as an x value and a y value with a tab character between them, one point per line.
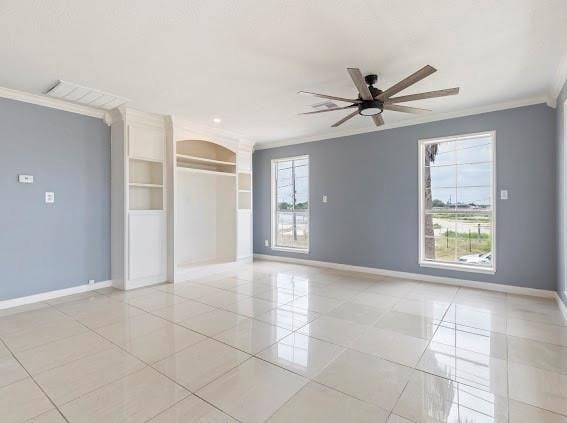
285	343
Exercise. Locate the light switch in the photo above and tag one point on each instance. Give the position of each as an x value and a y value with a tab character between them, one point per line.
266	243
504	194
324	199
50	197
25	179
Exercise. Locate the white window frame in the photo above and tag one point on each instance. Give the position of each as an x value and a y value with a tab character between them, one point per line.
456	266
564	217
274	206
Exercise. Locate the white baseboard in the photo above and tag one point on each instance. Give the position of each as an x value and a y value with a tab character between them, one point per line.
562	305
511	289
15	302
143	282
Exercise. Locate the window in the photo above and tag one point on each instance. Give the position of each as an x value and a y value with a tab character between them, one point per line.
457	202
290	203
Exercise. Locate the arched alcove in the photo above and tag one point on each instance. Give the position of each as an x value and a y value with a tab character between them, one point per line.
205	204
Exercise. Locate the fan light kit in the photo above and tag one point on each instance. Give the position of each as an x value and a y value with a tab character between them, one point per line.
372	101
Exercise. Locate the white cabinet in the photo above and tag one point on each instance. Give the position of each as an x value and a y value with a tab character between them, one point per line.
147	246
244	234
146	141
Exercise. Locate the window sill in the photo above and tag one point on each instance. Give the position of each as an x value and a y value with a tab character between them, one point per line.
458	267
291	250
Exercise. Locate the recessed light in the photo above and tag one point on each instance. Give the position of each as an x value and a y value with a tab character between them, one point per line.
217	120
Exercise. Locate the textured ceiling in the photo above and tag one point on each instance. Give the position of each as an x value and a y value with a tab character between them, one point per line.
244	60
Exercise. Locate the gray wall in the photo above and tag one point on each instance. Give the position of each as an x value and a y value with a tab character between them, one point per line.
560	119
371	181
44	247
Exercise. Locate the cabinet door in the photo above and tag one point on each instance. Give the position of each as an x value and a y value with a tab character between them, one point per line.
244	246
147	245
146	141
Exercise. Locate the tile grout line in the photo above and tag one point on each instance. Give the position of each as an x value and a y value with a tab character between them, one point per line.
253	355
147	365
36	384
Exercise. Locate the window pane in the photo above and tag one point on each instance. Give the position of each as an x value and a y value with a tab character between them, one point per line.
443	176
284	233
474	151
440	154
442	198
302	231
474	198
473	175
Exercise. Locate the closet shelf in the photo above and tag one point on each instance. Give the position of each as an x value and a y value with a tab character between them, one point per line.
137	184
203	160
211	172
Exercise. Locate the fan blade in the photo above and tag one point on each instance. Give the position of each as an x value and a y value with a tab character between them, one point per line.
430	94
328	110
424	72
405	109
378	119
329	97
343	120
361	86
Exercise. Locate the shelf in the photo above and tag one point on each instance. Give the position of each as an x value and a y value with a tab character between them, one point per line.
145	173
139	185
203	160
210	172
244	182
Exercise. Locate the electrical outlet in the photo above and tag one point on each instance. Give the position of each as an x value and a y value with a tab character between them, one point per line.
266	243
91	281
325	198
49	197
504	194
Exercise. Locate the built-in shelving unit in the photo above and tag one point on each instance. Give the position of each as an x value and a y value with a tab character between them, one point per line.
139	217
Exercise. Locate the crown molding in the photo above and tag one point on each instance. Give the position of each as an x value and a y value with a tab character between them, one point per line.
434	117
558	81
54	103
186	129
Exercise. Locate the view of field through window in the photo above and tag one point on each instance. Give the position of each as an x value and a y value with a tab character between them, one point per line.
457	192
292	203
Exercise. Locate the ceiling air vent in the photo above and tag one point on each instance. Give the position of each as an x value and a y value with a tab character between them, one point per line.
87	96
325	105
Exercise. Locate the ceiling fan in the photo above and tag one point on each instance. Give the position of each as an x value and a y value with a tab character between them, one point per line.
372	101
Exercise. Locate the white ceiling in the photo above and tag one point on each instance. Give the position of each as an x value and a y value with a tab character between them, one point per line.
245	60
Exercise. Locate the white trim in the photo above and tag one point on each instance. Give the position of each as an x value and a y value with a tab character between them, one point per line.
44	296
53	103
291	250
455	265
432	117
489	286
558	81
562	305
564	208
